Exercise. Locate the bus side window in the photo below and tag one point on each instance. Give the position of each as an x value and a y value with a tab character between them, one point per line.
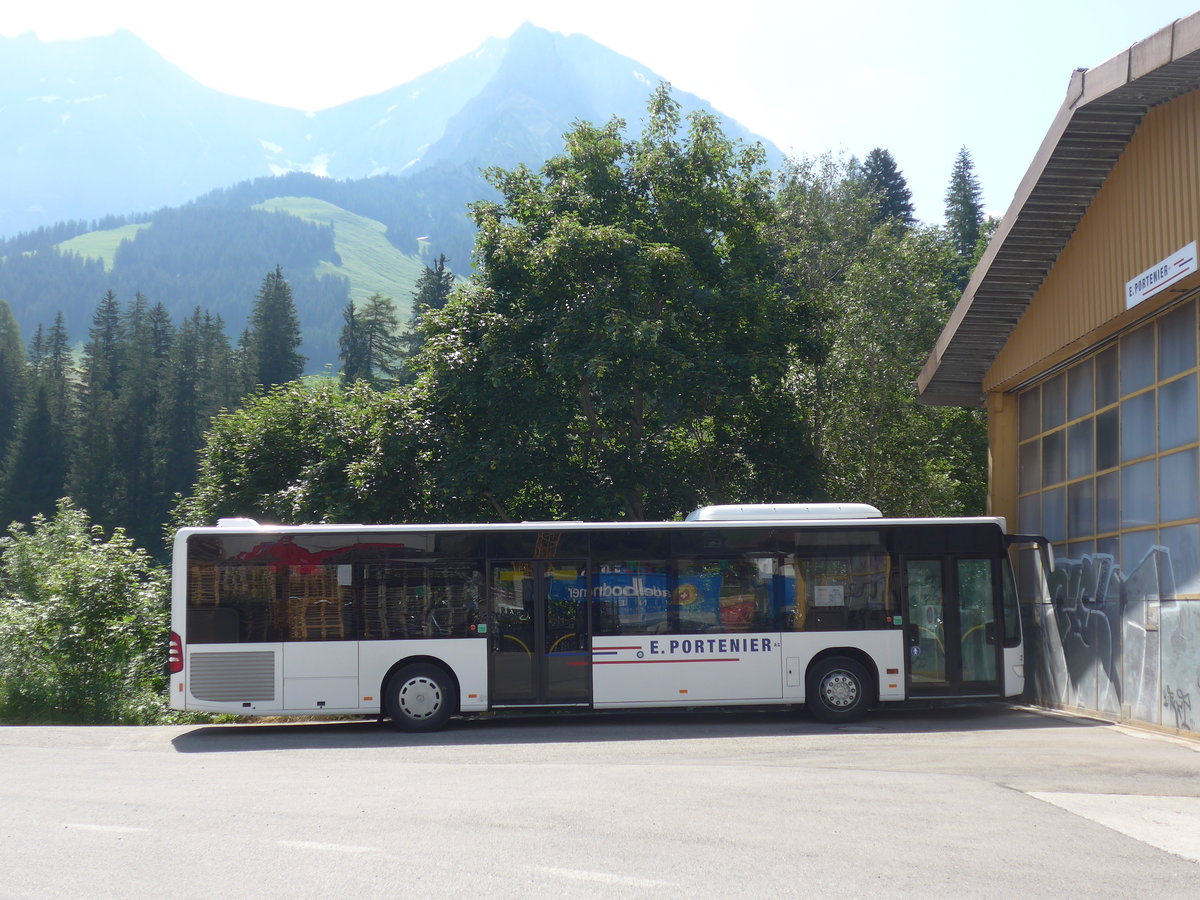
842	593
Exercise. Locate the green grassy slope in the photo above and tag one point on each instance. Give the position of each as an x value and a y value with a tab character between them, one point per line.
101	245
367	259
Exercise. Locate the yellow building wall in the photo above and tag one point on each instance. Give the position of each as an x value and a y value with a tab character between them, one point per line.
1147	209
1002	456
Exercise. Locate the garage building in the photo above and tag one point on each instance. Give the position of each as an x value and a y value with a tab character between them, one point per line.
1080	332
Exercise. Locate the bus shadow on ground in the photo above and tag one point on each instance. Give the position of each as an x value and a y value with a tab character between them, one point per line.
559	727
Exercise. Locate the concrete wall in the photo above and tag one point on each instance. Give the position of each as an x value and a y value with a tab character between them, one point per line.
1116	640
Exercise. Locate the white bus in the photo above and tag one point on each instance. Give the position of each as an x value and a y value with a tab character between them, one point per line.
826	605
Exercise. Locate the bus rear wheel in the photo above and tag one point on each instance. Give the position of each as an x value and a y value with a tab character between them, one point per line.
420	697
838	690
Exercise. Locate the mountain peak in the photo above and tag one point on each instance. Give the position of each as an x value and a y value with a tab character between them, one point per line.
123	37
90	62
527	28
120	40
61	102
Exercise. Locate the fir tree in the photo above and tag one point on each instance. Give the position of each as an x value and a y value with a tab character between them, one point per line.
178	426
35	472
94	477
370	342
219	368
141	505
274	334
60	368
12	376
434	288
105	340
964	209
350	345
884	180
202	379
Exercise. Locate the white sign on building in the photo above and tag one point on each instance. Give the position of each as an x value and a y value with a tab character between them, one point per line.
1161	275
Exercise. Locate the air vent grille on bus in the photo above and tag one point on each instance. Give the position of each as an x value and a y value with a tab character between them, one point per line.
233	677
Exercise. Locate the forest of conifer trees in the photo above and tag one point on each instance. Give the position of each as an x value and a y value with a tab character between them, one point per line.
114	422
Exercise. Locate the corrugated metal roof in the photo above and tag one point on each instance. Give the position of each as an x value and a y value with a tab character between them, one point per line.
1104	107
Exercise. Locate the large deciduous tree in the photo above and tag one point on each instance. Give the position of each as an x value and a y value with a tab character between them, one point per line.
826	217
625	343
881	444
882	295
313	452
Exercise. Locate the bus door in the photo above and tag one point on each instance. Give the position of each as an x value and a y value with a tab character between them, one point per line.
953	640
539	648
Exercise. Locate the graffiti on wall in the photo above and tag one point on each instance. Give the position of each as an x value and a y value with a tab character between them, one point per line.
1120	642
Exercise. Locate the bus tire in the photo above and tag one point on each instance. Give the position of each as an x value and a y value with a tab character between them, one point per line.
420	697
838	689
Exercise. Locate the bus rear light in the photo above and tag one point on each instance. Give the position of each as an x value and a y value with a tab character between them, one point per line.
175	654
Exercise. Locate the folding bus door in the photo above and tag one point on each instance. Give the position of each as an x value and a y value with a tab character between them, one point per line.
539	651
951	622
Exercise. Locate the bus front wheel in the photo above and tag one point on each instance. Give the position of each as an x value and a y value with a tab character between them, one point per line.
838	690
420	697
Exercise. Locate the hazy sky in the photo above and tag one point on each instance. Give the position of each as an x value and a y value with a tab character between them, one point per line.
919	78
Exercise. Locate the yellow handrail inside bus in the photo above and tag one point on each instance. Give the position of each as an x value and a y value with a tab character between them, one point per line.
973	628
559	641
522	643
934	635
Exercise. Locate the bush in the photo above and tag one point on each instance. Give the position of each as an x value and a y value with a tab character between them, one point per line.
83	624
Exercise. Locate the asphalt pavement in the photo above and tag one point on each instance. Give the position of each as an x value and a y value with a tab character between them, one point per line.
970	801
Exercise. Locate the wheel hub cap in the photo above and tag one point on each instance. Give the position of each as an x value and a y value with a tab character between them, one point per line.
840	690
420	698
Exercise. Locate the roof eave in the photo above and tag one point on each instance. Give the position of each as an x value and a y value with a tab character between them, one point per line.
1103	108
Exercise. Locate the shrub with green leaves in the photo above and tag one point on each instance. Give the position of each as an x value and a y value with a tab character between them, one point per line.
83	624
